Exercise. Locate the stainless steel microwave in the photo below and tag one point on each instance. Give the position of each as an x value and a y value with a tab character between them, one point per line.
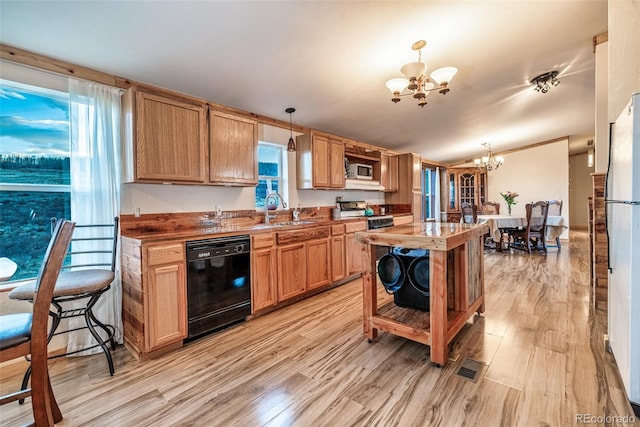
360	171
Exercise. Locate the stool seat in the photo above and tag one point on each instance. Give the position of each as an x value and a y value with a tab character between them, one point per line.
69	283
15	329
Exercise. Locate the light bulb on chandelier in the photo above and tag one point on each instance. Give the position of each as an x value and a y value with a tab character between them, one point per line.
416	83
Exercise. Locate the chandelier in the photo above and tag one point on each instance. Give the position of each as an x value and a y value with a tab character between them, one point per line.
416	83
544	81
488	162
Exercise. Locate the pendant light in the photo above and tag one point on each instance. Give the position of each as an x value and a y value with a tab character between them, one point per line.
291	146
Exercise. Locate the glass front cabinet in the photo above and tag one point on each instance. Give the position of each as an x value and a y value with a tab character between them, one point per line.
463	185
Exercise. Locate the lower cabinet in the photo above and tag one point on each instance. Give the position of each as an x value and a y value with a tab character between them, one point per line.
154	296
263	272
292	269
353	248
319	263
338	261
166	295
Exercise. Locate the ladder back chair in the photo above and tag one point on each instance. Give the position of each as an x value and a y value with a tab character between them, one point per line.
469	213
555	209
491	208
533	232
25	334
87	273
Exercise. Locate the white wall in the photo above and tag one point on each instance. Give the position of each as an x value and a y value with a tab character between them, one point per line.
539	173
163	198
580	188
601	118
624	54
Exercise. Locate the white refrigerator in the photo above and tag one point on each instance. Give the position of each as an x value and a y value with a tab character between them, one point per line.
623	225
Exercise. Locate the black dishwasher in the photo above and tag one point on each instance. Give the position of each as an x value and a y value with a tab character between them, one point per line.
218	283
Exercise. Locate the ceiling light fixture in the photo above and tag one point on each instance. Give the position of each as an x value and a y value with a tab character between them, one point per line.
488	162
291	146
544	81
416	81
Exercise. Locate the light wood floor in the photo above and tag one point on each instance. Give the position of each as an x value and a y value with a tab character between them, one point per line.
309	365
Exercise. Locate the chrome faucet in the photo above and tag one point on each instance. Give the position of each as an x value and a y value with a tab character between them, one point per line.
275	199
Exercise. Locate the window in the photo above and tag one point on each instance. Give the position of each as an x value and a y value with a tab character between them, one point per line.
272	170
34	171
430	195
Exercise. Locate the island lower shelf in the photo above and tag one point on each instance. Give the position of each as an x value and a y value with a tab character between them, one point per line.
415	325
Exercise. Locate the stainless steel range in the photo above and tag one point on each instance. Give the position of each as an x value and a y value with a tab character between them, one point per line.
355	209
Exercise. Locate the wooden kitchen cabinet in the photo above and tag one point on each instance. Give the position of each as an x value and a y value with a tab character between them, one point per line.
353	248
263	272
409	184
338	260
320	161
389	172
319	263
292	271
165	138
233	148
154	300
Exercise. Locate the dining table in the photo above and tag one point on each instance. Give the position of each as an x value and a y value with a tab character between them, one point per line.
556	225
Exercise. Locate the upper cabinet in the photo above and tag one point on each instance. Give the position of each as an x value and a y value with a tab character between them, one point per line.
233	148
409	184
389	172
320	161
165	139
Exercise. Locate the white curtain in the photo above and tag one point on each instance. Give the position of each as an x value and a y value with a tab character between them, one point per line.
95	186
436	197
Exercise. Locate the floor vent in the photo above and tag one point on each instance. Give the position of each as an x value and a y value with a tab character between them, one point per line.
470	369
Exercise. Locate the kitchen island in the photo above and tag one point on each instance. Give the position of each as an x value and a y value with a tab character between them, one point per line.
456	284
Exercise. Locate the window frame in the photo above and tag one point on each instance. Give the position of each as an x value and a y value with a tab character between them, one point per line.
281	178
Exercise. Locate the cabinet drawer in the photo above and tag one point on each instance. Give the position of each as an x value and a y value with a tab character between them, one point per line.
265	240
163	254
352	227
285	237
337	230
405	219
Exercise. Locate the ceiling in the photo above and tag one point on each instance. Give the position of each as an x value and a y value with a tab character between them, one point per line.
330	60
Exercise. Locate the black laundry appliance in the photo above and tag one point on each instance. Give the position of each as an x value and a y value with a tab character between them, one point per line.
405	273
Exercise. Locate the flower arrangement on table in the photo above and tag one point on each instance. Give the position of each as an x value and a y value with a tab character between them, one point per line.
510	198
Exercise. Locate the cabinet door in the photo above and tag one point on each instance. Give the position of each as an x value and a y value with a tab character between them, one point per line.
263	279
392	173
353	250
336	163
320	162
166	305
319	258
169	140
292	277
416	180
233	148
338	262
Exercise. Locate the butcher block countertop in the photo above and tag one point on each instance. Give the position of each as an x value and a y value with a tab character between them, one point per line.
424	235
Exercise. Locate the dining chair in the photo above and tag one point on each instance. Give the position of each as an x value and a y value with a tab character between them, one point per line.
533	232
555	209
469	213
87	273
491	208
25	334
